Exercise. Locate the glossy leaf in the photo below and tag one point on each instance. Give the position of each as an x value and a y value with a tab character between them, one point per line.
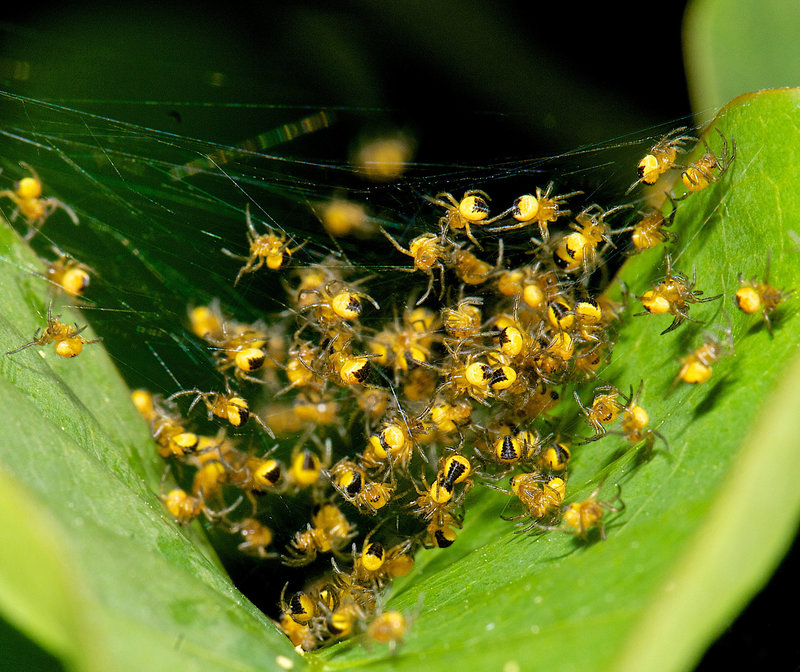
500	600
93	568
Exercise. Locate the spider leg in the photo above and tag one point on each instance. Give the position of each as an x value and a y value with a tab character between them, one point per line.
469	235
428	290
395	243
509	227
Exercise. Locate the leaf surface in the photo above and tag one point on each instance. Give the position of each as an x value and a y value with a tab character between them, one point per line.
92	566
685	555
733	47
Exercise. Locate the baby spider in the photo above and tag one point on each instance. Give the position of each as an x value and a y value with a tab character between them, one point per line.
589	359
375	565
441	536
512	450
392	447
228	406
257	475
329	531
340	618
555	457
454	469
604	410
269	248
237	346
300	607
472	209
68	340
540	496
306	467
67	274
649	231
709	167
27	196
428	251
580	517
351	482
166	427
384	158
753	296
463	321
467	376
256	538
333	304
696	366
579	248
185	507
388	627
661	157
404	346
436	502
473	271
672	295
635	420
340	217
541	209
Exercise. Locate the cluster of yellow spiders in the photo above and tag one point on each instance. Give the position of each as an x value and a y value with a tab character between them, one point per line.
373	422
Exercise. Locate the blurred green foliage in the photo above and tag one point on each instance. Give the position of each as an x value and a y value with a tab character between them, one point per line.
733	47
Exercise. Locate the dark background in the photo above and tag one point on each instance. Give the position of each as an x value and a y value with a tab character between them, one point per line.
474	82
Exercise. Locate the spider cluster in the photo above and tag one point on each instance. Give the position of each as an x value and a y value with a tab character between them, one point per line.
375	419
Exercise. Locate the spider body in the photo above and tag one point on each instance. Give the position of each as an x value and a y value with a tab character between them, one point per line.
471	210
709	167
272	249
541	209
67	338
428	252
662	157
753	296
673	295
27	196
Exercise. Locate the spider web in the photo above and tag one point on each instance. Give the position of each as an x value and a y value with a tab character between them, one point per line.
156	210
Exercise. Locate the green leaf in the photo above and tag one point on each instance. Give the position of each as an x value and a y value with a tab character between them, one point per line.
738	46
700	535
703	527
92	567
